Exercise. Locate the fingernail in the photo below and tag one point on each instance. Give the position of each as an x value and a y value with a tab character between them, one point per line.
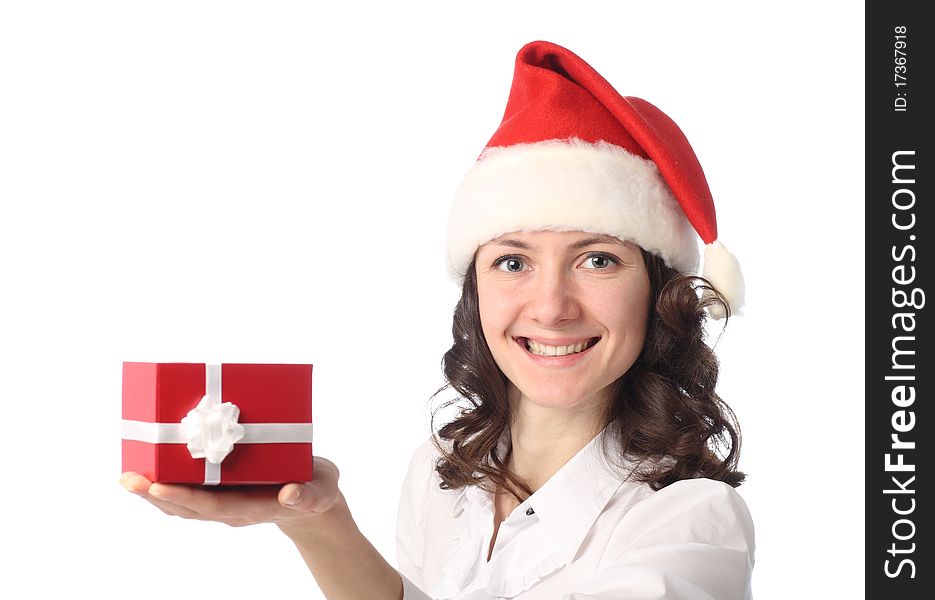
156	492
293	497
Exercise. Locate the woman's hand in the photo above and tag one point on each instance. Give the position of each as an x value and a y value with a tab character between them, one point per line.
291	506
313	515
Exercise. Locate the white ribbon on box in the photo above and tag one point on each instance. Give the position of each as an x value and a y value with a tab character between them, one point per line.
210	429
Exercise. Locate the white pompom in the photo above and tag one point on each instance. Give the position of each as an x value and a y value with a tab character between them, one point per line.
722	269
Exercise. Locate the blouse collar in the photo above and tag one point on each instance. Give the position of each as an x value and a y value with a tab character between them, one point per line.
566	507
569	503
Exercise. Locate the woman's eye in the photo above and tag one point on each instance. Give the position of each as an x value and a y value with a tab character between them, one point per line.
510	264
598	261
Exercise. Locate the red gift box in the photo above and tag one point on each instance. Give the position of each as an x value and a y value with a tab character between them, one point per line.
177	415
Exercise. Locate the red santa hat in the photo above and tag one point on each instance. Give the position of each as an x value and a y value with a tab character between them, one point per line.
573	154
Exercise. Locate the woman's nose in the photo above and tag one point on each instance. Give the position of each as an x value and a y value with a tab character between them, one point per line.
553	298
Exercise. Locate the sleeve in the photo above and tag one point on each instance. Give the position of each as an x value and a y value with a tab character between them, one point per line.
411	591
692	540
411	521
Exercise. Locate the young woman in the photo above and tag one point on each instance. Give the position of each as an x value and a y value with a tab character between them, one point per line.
592	457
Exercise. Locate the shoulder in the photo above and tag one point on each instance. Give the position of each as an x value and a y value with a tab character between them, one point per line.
691	539
702	497
692	510
420	471
422	495
422	483
422	463
421	508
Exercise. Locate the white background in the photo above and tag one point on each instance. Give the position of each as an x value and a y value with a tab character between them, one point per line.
269	181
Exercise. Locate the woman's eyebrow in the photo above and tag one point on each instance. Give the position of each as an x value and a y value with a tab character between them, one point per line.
582	243
512	243
599	239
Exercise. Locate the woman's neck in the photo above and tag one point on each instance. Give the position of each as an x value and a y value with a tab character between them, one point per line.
545	438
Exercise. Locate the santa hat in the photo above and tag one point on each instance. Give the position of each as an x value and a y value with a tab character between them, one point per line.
573	154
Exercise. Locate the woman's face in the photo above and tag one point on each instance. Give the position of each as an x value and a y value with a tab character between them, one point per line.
564	313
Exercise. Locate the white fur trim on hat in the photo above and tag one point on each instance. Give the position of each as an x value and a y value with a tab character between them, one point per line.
568	185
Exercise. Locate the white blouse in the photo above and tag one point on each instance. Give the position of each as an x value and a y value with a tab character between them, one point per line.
584	535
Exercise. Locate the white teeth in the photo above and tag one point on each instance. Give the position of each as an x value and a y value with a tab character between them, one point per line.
543	350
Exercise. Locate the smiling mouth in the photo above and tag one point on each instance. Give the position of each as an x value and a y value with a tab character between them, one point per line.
534	347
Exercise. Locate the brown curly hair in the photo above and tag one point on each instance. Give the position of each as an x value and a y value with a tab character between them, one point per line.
665	408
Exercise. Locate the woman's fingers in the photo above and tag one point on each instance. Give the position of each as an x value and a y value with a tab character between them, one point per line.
256	505
234	507
134	482
140	486
242	506
174	509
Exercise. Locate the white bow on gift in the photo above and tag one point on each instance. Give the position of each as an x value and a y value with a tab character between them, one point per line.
211	429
